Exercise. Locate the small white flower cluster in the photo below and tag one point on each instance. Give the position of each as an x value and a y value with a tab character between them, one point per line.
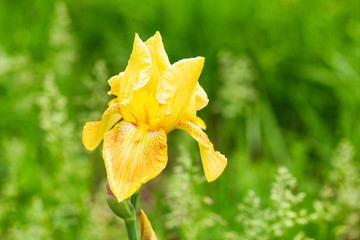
237	91
61	41
337	210
54	119
96	87
340	197
279	217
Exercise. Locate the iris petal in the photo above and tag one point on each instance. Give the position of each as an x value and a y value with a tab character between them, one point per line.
159	58
213	162
201	99
137	72
198	101
175	89
113	101
114	83
132	159
93	132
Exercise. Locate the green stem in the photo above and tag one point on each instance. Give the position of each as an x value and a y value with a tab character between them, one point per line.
134	198
131	229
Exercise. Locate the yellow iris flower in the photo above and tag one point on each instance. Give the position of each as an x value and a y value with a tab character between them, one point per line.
153	97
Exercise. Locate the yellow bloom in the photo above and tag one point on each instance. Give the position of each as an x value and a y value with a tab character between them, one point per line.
153	98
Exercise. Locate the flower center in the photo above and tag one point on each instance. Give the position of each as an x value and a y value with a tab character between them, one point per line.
141	131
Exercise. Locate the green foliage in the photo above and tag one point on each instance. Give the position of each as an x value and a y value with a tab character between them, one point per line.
283	81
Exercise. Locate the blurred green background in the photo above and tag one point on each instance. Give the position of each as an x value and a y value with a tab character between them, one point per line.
283	79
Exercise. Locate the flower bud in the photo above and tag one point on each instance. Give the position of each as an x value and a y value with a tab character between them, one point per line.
123	209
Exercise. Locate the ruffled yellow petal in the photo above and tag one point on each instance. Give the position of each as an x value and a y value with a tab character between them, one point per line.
201	99
132	157
146	230
137	72
144	107
175	89
93	132
198	101
114	83
159	59
113	101
213	162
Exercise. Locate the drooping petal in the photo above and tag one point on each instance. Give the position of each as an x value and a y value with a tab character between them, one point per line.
146	230
175	89
137	72
159	58
114	83
94	132
132	157
213	162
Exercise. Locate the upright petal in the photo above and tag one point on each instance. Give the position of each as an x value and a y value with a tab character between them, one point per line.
137	72
213	162
201	99
146	231
114	83
198	101
159	58
93	132
132	157
175	89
